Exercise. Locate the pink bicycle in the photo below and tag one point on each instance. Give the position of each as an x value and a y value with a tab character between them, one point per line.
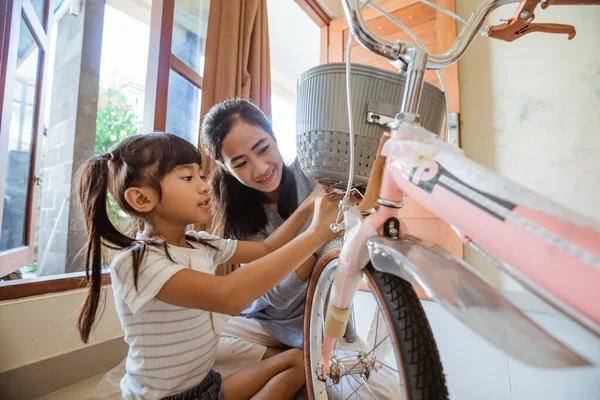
552	252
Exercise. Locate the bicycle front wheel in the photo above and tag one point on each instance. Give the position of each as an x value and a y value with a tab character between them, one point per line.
394	355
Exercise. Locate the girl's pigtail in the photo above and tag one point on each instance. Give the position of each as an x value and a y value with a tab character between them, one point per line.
92	186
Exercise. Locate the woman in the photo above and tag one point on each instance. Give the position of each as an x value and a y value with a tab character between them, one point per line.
254	194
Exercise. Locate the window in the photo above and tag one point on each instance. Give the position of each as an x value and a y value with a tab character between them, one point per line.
188	44
20	141
124	59
21	105
283	108
294	44
150	65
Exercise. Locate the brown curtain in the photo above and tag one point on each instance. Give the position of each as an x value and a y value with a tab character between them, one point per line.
237	54
237	63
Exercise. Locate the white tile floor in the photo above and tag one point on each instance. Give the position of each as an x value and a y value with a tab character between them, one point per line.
476	370
80	390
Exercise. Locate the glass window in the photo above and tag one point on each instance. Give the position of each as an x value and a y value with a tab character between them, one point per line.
284	123
121	93
123	63
183	108
20	139
189	32
125	41
294	48
40	7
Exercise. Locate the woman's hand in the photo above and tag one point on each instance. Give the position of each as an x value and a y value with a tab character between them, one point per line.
318	191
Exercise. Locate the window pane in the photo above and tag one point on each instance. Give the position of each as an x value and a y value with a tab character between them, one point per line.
20	138
284	124
189	32
302	35
125	41
40	7
121	96
183	108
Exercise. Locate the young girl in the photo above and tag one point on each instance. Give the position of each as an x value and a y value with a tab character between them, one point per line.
167	296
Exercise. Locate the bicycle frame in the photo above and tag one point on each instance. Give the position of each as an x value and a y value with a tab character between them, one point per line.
535	241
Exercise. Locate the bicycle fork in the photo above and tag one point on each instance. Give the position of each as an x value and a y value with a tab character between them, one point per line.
354	258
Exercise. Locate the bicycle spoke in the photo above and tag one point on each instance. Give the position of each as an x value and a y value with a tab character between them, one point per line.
377	324
369	353
338	390
385	365
346	357
346	353
350	383
355	390
355	331
354	365
379	344
367	386
327	387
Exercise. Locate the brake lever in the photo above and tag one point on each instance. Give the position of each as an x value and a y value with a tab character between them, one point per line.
521	24
568	30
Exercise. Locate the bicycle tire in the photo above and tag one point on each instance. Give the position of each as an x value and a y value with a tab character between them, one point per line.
413	339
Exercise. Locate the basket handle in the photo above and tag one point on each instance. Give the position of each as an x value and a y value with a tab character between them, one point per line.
381	113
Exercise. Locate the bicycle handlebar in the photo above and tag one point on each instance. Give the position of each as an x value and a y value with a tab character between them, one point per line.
512	29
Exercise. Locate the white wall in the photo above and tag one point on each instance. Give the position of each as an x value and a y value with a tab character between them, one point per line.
530	109
37	328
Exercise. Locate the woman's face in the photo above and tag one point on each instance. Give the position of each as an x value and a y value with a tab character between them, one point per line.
251	155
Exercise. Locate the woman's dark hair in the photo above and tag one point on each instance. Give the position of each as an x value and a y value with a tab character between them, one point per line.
138	160
233	217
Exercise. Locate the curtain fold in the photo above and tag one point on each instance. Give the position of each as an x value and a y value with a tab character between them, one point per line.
237	56
237	60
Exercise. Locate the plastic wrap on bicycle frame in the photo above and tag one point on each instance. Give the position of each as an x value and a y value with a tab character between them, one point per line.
449	282
353	259
414	141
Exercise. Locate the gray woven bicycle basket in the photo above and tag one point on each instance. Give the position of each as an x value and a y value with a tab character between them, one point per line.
322	132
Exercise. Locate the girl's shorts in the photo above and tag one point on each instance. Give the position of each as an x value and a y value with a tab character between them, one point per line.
208	389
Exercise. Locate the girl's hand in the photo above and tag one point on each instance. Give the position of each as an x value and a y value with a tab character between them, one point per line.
325	213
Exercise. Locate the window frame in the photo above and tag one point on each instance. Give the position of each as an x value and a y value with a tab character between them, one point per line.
14	259
160	62
315	12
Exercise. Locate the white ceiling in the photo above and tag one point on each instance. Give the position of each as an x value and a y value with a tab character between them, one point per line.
334	7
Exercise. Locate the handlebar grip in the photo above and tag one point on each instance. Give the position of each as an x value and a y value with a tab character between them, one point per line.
570	3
